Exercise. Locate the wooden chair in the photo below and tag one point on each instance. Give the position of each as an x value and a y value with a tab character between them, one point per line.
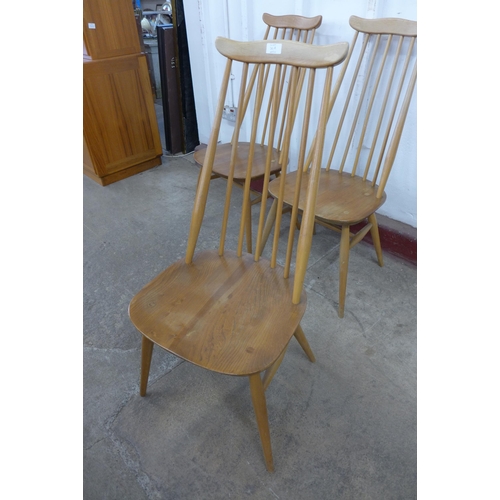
287	27
366	134
225	310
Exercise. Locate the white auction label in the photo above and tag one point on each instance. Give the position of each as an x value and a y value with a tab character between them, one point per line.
273	48
91	26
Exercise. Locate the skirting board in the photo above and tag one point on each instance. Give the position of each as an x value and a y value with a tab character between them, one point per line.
396	238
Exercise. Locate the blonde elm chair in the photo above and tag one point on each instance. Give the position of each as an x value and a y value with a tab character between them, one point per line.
376	83
225	310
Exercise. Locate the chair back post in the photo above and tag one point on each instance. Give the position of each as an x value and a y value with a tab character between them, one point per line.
333	97
374	109
301	58
246	188
396	137
360	102
307	226
288	27
233	158
384	105
391	117
298	183
265	187
287	128
206	171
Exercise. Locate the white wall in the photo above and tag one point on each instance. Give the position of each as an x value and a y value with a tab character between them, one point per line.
242	20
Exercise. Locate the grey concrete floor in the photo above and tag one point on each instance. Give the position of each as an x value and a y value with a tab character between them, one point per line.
344	427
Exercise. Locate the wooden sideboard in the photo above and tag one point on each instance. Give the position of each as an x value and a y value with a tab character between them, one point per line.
120	130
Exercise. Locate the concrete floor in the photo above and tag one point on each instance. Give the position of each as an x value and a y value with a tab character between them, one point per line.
344	427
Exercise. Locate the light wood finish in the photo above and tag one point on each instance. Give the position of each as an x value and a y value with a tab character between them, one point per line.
302	340
260	407
146	355
208	298
223	158
290	28
271	371
365	136
384	26
226	310
295	52
115	32
120	129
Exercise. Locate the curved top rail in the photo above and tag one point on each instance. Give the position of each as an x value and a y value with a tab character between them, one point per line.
283	52
292	21
384	26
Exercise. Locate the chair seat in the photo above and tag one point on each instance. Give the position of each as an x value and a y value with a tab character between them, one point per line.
223	156
338	199
201	312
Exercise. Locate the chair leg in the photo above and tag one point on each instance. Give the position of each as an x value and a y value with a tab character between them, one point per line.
271	371
301	338
376	239
344	264
146	354
297	225
271	218
260	408
249	226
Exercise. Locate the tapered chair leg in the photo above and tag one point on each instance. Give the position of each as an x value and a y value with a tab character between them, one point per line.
301	338
271	218
249	226
344	265
260	408
376	239
146	354
271	371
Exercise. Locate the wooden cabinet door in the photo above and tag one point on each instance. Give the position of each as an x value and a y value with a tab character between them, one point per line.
119	119
109	29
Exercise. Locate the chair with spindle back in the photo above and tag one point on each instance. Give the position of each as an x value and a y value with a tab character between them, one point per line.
366	135
226	310
286	27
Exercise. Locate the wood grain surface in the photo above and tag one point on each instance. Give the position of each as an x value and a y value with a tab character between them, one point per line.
227	314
